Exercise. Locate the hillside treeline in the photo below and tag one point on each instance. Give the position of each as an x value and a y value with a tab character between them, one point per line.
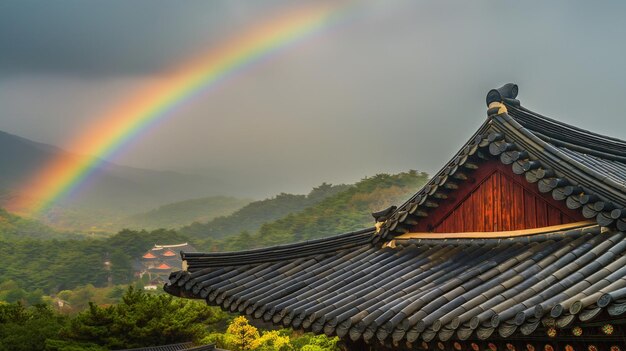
178	214
55	265
346	211
252	216
14	227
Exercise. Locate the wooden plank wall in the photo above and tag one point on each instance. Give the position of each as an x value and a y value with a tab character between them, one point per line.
498	200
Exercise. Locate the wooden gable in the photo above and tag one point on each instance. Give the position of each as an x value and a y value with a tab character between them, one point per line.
496	199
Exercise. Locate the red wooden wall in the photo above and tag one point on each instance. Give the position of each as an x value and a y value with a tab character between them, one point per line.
496	199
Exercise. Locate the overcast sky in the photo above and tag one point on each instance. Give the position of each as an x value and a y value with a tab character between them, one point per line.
400	86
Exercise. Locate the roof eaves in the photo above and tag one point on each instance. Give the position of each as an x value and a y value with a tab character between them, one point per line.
196	263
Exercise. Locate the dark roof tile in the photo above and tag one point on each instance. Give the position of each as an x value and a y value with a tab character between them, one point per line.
427	291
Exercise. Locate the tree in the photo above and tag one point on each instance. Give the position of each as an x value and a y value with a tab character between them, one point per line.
80	298
142	319
312	342
27	329
272	341
243	336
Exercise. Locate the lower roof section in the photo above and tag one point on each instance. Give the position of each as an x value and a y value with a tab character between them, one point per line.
422	289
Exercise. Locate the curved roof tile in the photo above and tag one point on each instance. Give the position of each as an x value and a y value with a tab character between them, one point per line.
425	290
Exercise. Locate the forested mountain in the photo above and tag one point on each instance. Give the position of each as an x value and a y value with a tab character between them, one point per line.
252	216
13	227
54	265
182	213
345	211
47	266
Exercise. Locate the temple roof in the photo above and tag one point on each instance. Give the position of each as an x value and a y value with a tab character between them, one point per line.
391	284
424	288
167	252
163	266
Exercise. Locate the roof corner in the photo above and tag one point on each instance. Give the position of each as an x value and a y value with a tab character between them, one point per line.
496	99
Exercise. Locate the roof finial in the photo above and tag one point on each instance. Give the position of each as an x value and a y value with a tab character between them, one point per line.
508	90
383	215
497	97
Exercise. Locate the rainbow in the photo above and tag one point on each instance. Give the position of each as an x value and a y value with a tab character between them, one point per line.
115	128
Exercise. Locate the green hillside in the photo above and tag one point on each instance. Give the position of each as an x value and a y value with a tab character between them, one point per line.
178	214
345	211
13	227
252	216
53	265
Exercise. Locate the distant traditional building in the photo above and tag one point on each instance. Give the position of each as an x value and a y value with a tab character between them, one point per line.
159	261
517	243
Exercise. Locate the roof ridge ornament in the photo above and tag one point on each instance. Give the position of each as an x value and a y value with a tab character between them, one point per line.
382	216
496	108
497	97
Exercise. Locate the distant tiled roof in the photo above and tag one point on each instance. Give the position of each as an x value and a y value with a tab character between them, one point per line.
170	246
148	256
169	253
163	266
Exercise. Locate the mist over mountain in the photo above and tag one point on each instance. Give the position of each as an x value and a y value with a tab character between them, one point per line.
178	214
111	190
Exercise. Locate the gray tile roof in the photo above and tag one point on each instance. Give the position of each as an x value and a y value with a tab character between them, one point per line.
422	289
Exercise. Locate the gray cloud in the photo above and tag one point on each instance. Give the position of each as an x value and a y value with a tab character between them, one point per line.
89	38
400	86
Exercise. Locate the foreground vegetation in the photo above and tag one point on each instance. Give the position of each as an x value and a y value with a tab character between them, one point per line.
139	320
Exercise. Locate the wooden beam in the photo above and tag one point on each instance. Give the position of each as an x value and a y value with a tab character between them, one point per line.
500	234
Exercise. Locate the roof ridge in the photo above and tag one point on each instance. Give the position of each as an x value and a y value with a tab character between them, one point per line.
561	131
169	246
284	251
